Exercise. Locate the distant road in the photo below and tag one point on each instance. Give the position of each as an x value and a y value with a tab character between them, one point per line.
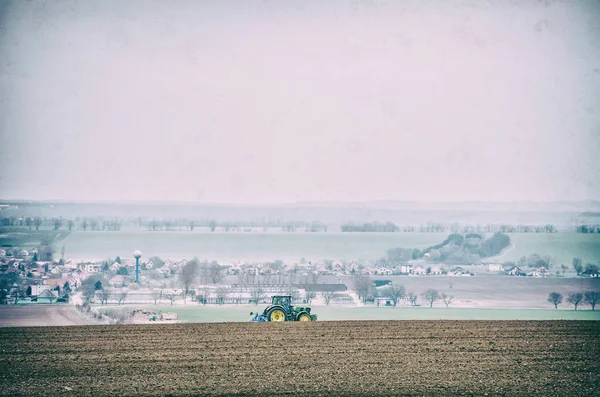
40	315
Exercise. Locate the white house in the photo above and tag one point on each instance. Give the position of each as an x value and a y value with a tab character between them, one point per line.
70	264
406	268
352	267
514	271
38	289
539	272
384	271
93	268
181	264
494	267
48	295
321	270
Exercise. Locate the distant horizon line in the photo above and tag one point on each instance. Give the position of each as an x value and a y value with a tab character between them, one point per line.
298	203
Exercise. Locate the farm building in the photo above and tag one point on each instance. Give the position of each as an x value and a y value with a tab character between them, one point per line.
323	287
46	296
514	271
38	289
539	272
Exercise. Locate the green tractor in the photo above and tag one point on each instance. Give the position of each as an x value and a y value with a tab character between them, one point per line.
281	309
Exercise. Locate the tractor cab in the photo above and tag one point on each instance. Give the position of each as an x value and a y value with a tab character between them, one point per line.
282	300
281	309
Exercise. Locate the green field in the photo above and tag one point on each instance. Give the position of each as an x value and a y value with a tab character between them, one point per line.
235	246
24	238
227	313
562	247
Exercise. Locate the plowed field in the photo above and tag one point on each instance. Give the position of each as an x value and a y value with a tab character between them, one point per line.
321	358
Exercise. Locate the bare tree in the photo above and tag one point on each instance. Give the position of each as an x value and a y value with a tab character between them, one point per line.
267	277
575	298
17	294
221	293
363	285
88	293
156	295
310	296
431	295
121	295
578	265
184	295
555	298
212	225
592	269
592	297
242	276
395	293
314	277
188	275
216	272
257	294
412	298
447	299
204	294
204	273
104	295
171	295
328	296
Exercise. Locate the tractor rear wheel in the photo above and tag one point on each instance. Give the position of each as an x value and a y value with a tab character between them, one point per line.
304	317
276	315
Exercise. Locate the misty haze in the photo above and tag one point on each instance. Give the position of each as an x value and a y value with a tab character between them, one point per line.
196	168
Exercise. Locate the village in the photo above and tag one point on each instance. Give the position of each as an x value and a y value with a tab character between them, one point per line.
26	279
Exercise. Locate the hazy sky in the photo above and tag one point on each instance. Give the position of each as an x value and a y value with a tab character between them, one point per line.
273	101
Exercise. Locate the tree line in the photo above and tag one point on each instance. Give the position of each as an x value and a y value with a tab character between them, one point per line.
366	290
588	229
387	227
455	249
575	298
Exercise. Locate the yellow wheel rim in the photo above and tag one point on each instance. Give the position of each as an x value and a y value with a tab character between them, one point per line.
304	317
277	315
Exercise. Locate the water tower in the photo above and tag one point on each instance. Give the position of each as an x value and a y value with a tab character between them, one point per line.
137	255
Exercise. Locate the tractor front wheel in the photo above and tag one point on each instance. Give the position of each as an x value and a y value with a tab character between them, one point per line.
277	315
304	317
